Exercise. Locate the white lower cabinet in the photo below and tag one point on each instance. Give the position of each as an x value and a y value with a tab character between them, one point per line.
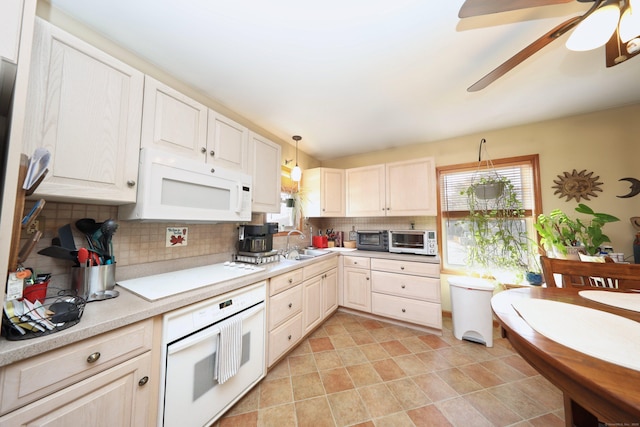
105	380
356	291
299	301
406	290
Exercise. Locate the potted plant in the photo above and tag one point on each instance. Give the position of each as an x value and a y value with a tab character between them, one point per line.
498	235
562	235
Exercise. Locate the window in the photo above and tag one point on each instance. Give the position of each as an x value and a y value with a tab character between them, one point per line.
287	218
524	173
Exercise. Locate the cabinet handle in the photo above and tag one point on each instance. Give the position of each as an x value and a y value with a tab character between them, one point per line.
355	263
212	153
367	278
131	183
402	268
143	381
290	305
402	286
404	311
93	357
289	337
213	170
203	150
290	280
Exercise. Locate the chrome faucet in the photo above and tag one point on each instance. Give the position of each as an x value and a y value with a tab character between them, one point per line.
295	230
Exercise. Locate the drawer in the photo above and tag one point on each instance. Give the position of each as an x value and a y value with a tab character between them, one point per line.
406	285
284	305
284	337
406	267
31	379
356	261
320	267
285	281
408	310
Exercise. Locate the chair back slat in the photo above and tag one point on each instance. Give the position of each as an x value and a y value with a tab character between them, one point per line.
580	273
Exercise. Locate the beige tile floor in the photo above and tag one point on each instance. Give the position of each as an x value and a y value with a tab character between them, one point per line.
355	371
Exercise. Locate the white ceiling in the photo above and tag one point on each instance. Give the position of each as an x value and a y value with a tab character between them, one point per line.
354	76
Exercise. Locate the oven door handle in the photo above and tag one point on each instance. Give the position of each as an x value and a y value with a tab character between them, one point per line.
188	342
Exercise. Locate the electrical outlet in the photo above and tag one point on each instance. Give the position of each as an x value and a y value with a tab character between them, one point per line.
34	226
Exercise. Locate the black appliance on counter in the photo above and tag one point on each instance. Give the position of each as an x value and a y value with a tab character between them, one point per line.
372	240
255	243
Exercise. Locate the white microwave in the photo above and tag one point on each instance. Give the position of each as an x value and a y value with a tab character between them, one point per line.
419	242
173	188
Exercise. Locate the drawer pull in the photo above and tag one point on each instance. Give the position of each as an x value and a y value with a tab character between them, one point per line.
355	262
402	286
143	381
404	311
93	357
289	337
290	305
402	268
290	280
367	278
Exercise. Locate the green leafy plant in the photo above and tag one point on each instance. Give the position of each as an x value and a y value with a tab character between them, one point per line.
498	233
558	231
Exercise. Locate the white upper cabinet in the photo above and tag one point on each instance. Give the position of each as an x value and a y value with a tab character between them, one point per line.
171	121
10	22
265	170
323	192
85	107
411	187
227	143
405	188
365	191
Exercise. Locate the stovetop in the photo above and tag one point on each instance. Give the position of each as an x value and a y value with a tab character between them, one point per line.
164	285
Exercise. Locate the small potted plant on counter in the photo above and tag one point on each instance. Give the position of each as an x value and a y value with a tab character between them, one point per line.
563	237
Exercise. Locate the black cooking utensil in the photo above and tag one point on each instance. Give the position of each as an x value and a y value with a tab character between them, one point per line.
88	226
66	237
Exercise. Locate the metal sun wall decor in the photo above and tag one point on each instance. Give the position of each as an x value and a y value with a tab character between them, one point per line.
635	187
577	185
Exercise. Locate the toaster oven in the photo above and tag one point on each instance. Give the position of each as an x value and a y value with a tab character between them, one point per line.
419	242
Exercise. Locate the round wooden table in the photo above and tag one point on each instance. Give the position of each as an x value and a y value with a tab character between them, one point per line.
593	389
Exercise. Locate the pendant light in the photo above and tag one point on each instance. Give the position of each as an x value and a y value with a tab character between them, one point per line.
630	21
596	29
296	172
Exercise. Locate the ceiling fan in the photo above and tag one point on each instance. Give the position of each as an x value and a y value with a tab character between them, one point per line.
621	35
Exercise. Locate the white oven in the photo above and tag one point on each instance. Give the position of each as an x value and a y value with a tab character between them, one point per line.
419	242
213	353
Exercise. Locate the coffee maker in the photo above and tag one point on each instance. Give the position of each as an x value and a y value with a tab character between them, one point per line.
255	243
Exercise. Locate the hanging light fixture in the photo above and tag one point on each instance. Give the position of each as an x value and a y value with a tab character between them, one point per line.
296	172
629	26
596	29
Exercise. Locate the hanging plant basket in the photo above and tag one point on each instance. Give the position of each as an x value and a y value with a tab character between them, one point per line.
489	190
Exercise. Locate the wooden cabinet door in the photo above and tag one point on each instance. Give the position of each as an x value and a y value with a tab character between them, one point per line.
10	24
227	143
332	192
120	396
265	168
365	191
330	292
85	107
357	289
312	312
171	121
410	187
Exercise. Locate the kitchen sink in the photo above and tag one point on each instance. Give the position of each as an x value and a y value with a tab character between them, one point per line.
304	254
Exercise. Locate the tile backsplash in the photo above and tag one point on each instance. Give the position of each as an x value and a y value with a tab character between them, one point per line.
140	247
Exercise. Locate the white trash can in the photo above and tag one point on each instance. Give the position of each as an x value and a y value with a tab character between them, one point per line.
471	309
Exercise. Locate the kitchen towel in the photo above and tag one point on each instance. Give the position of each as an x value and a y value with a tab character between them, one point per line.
230	348
614	339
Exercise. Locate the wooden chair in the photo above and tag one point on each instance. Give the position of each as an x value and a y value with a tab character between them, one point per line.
593	274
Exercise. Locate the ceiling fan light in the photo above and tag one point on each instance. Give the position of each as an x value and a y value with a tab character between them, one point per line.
630	22
596	29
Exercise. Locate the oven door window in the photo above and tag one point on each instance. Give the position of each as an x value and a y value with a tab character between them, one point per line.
404	240
370	239
193	395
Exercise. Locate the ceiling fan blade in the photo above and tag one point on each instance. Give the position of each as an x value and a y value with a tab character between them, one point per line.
485	7
617	52
519	57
